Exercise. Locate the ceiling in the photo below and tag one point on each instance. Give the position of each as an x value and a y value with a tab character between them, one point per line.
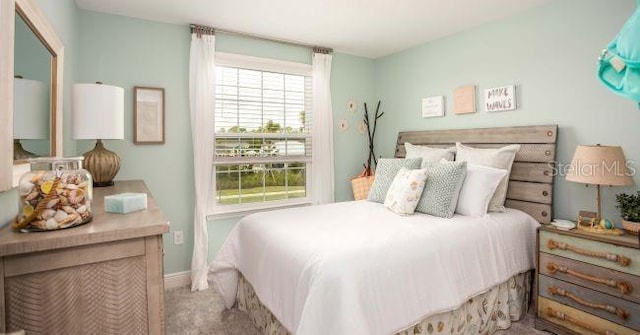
369	28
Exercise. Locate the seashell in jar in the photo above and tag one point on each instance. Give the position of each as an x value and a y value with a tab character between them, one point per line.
31	196
81	209
76	196
78	220
68	209
36	177
51	224
69	219
47	214
71	186
85	215
52	203
26	188
63	200
60	215
83	184
41	224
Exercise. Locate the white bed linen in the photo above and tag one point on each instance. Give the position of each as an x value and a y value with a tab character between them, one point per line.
356	268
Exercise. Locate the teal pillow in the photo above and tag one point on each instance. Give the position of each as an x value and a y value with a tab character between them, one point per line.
386	171
440	195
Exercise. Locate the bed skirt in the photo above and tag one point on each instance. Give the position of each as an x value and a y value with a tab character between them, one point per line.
483	314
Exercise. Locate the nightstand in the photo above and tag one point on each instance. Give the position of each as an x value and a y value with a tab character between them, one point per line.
587	283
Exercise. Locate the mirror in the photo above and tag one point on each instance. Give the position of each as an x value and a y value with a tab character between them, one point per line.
22	25
31	95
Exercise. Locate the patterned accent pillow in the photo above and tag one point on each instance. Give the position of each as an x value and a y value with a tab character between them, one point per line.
386	171
440	195
500	158
428	154
405	191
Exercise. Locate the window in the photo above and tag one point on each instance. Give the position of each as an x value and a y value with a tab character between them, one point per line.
262	133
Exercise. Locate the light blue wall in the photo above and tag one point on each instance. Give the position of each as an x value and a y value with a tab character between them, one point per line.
550	53
63	16
127	52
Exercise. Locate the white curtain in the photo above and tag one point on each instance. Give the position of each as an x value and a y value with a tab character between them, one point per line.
202	107
322	131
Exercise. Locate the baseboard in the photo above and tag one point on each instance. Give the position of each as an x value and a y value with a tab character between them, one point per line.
177	279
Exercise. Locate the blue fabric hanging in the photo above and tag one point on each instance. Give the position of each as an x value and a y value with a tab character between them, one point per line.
619	66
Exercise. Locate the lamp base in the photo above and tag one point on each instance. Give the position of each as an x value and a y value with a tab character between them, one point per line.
19	153
103	165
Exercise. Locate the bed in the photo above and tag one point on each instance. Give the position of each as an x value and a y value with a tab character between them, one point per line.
356	268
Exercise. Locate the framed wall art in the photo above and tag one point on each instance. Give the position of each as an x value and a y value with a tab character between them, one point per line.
433	106
500	99
148	115
464	99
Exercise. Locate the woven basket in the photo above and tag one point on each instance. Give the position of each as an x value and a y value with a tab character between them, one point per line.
633	227
361	186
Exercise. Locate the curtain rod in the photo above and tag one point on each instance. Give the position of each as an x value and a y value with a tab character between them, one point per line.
211	31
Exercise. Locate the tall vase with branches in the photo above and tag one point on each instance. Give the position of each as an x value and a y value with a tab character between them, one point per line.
369	168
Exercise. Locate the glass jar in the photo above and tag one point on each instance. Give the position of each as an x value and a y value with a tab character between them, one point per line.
55	194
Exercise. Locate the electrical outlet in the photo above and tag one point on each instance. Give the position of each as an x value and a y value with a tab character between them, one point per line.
178	237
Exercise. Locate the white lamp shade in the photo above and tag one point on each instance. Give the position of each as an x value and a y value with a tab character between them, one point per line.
98	112
30	109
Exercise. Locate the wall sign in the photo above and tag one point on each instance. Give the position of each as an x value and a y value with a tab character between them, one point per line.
464	99
433	106
500	99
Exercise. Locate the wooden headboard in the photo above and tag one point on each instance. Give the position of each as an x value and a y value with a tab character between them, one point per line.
531	182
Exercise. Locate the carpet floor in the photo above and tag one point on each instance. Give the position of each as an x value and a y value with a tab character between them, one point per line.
195	313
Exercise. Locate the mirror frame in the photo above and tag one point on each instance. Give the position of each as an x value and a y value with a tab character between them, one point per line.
11	171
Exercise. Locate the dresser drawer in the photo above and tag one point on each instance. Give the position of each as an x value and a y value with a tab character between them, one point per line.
610	256
614	309
608	281
578	321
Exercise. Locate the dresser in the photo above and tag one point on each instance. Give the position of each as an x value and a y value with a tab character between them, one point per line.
587	283
104	277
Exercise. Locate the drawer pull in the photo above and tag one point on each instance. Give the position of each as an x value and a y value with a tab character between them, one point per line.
564	317
623	261
623	286
609	308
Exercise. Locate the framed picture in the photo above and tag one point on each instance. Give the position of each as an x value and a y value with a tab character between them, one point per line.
148	115
433	106
500	99
464	99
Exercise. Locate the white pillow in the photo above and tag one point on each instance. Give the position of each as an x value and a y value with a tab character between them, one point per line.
478	188
500	158
428	154
405	191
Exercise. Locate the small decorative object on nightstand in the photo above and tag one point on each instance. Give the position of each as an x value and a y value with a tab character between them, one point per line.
587	283
599	165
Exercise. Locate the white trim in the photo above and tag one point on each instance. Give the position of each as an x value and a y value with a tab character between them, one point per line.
177	279
263	64
234	211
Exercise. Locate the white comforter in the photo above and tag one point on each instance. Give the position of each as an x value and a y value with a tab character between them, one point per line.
356	268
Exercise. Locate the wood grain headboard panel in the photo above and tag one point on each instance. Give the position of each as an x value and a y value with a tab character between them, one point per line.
531	181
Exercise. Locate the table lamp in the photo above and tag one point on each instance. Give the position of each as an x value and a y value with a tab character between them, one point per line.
30	114
599	165
98	114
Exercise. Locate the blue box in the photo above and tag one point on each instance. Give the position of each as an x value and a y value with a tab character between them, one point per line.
124	203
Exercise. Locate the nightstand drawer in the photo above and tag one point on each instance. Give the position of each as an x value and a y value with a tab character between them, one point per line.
607	255
578	321
614	309
608	281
